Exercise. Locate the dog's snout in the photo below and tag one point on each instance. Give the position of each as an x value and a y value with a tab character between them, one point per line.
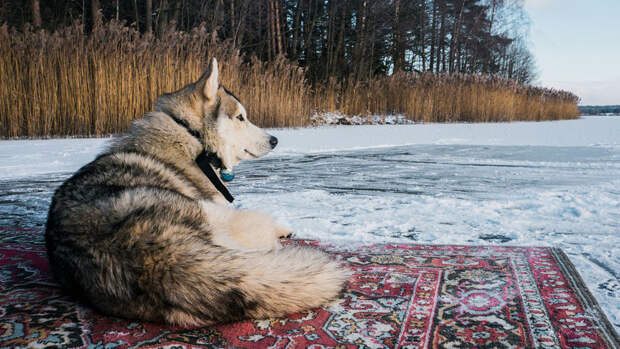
273	141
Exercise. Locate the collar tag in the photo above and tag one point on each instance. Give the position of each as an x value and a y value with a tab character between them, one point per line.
226	175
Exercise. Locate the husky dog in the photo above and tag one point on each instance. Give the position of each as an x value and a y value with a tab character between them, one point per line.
142	233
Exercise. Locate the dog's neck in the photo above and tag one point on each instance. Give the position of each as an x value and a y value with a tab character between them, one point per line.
212	156
183	123
186	105
153	135
206	160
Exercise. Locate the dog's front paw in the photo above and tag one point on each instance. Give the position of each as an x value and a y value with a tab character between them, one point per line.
283	233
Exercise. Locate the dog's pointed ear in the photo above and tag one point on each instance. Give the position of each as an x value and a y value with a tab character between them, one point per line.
210	82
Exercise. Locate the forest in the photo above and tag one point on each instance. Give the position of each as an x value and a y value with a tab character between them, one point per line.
431	60
331	38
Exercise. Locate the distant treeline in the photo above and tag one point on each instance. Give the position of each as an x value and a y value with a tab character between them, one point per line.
342	39
599	109
69	83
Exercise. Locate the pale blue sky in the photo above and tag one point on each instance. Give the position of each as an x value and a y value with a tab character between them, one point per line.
577	47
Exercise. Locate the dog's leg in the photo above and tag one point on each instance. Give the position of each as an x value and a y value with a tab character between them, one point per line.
243	229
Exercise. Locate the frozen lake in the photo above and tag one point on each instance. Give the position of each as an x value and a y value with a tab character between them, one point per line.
512	184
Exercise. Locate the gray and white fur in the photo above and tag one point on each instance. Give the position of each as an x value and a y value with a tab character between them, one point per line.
141	233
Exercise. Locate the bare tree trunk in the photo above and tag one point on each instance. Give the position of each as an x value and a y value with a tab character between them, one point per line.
397	44
135	8
373	42
487	65
239	32
331	30
361	41
265	43
117	10
232	18
311	25
36	13
149	16
493	8
454	41
422	35
268	31
296	29
177	13
276	13
433	36
272	30
339	54
268	41
95	9
162	17
216	14
441	56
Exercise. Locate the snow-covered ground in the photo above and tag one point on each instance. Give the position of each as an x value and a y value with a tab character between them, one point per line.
550	183
336	118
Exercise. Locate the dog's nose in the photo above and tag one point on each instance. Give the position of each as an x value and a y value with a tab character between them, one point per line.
273	141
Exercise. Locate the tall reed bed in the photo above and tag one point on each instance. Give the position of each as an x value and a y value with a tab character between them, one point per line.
430	97
69	84
66	83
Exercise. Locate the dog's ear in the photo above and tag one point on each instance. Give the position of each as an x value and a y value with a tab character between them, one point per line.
209	82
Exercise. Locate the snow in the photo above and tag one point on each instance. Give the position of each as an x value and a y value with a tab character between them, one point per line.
23	158
590	131
28	158
537	184
336	118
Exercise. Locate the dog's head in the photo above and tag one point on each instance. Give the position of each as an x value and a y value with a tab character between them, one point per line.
221	118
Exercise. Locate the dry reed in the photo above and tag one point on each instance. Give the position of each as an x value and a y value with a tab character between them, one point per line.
69	84
430	97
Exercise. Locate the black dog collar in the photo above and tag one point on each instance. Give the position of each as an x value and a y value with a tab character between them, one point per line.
206	161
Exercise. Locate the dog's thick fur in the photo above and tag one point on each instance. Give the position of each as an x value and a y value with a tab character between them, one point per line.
141	232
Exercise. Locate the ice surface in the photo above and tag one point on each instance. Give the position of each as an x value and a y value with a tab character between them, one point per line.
23	158
538	184
590	131
27	158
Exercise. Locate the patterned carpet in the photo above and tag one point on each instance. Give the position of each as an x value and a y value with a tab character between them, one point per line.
406	296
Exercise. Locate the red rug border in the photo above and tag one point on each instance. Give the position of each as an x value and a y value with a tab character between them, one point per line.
585	297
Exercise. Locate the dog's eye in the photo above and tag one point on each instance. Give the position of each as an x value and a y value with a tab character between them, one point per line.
240	117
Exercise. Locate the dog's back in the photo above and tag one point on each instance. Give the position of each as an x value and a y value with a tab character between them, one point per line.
112	224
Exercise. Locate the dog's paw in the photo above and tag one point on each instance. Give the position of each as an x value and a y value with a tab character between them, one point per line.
283	233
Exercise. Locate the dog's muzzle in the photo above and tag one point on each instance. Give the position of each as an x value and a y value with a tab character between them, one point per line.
273	141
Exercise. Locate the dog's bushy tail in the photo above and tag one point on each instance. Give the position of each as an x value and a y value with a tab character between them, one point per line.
234	285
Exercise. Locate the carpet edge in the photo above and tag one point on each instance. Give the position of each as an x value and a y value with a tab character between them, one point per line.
580	288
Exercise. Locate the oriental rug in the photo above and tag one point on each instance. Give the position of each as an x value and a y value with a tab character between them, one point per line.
401	296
